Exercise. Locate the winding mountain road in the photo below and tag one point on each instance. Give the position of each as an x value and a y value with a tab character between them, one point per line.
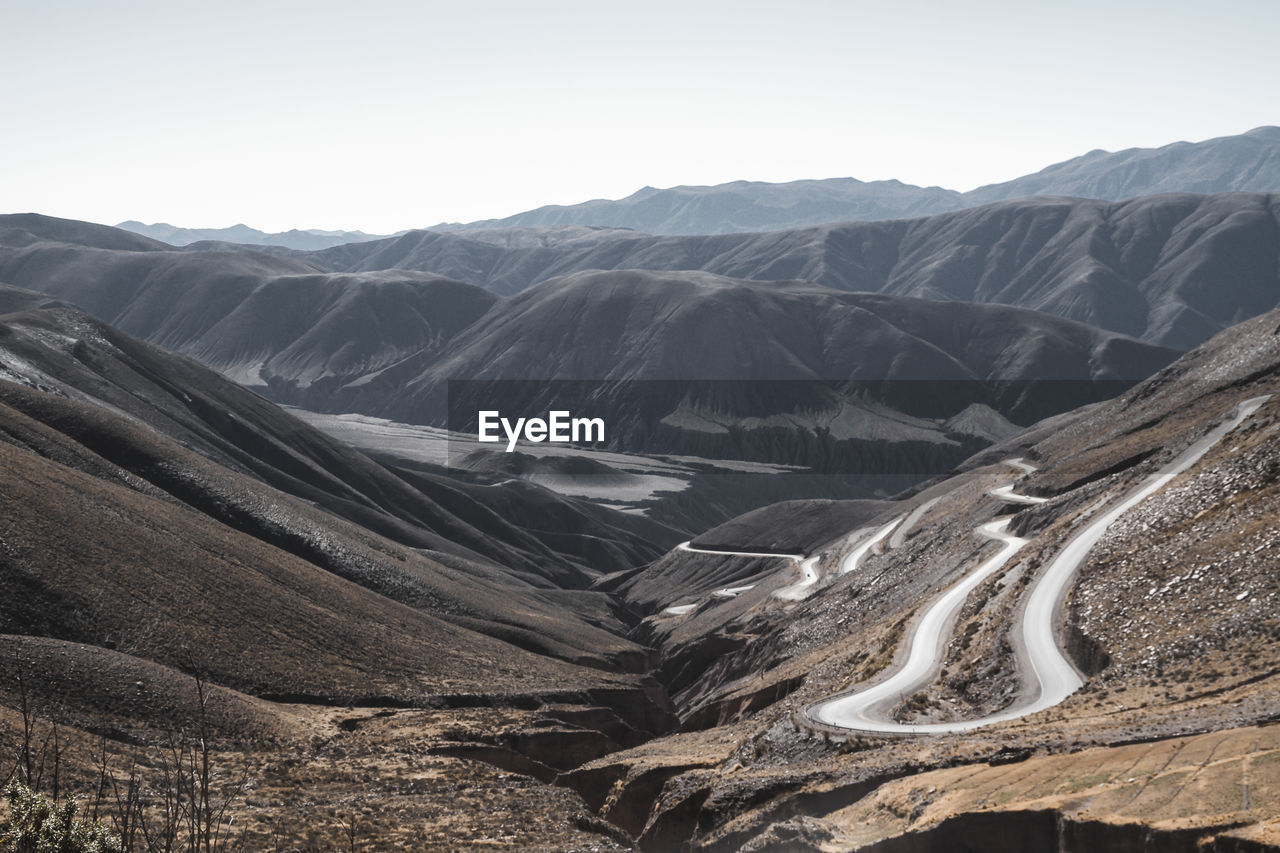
1006	493
1054	675
868	709
685	546
734	591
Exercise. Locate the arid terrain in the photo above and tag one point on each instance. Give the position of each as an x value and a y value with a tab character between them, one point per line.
375	652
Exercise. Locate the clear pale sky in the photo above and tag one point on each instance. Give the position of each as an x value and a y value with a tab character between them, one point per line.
389	115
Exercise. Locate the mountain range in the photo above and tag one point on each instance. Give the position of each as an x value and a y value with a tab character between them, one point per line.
352	620
980	507
1248	162
387	343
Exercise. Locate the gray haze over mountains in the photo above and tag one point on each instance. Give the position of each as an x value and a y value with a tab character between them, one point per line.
1249	162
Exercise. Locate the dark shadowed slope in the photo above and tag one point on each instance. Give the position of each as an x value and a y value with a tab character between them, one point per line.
354	341
1171	269
633	325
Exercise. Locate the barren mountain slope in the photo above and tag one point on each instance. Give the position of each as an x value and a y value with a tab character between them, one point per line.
239	430
90	413
158	522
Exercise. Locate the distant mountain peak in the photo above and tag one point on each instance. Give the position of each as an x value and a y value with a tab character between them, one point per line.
1249	162
296	238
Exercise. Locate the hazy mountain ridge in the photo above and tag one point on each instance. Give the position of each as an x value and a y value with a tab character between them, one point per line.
738	206
308	239
1248	162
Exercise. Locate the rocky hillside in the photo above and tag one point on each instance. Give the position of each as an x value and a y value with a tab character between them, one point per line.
182	559
1170	622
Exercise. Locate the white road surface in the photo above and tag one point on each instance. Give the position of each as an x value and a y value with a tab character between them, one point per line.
808	565
685	546
1053	673
1021	463
732	591
857	555
808	578
1007	494
867	709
